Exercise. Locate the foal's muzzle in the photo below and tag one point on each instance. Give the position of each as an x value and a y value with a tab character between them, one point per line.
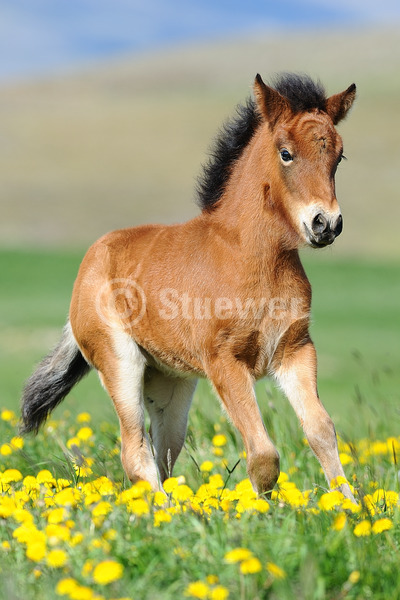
323	230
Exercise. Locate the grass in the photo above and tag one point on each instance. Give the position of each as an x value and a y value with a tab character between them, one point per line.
71	527
356	327
179	550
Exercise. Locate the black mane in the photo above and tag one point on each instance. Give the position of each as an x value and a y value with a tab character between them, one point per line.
303	95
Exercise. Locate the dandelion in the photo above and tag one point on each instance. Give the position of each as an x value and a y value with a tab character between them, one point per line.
17	443
5	450
275	571
197	589
219	593
7	415
331	500
251	565
138	507
237	555
363	528
36	551
219	440
354	577
10	475
206	466
83	417
84	434
339	522
161	516
56	558
382	525
107	571
66	586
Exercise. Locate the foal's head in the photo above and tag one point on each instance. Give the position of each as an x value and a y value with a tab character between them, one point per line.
305	152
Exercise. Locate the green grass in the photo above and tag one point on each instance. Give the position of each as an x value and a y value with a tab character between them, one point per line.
356	330
356	326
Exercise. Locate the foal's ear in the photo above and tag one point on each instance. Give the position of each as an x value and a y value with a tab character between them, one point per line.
270	103
338	106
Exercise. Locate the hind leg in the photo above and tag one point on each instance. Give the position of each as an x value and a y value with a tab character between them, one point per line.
168	401
122	373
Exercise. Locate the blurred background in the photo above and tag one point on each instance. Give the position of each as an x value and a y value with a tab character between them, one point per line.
107	111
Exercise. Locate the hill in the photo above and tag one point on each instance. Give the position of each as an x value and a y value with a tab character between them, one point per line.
122	143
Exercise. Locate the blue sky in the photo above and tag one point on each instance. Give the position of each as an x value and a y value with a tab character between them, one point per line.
40	36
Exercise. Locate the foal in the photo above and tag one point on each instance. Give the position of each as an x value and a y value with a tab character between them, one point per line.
223	296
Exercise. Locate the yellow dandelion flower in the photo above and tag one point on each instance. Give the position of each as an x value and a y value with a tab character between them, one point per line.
161	516
22	516
57	515
182	493
84	434
362	528
110	534
56	558
87	567
382	525
331	500
354	577
212	579
197	589
170	484
338	481
66	586
10	476
5	450
219	593
36	551
159	499
345	459
216	482
237	555
206	466
56	533
76	539
83	417
102	509
67	497
37	573
138	507
217	451
17	443
7	415
31	484
81	592
44	476
251	565
6	545
275	571
74	441
107	571
219	440
339	522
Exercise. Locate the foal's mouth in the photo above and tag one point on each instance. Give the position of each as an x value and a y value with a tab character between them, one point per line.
319	241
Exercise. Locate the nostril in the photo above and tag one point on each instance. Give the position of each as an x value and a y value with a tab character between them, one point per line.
319	224
339	226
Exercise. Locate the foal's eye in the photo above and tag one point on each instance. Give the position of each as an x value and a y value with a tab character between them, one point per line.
285	155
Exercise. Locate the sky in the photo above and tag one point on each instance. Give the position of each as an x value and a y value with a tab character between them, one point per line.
42	36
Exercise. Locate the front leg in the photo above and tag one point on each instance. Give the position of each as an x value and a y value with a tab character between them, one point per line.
297	376
234	385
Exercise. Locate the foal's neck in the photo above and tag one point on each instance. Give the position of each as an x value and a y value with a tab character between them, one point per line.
252	217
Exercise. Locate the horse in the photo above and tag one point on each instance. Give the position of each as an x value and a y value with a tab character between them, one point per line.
223	296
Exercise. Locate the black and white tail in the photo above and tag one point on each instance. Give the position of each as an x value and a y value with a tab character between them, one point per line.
52	381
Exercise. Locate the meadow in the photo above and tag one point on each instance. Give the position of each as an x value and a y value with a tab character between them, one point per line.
72	526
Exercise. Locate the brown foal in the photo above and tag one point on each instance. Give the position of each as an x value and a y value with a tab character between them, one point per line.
223	296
